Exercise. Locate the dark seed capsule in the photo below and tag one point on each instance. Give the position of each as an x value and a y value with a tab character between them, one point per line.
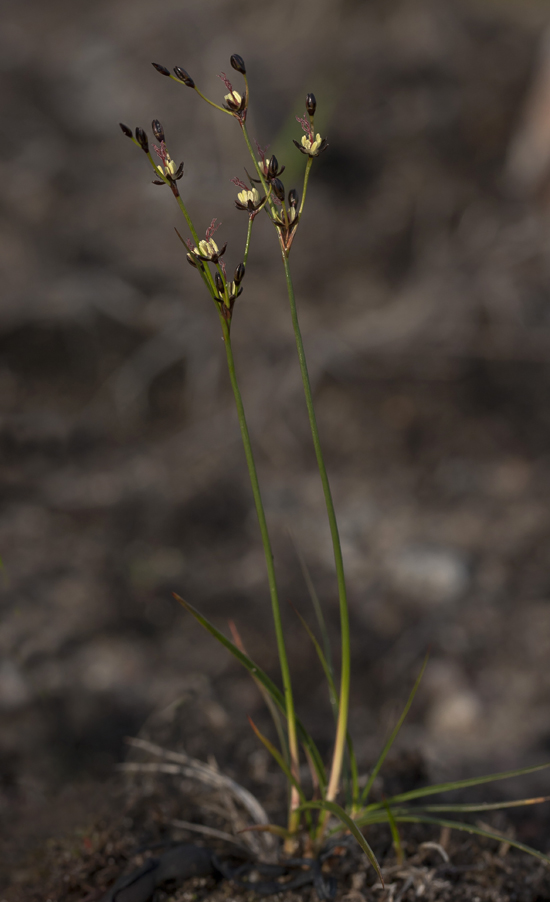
125	130
273	167
278	188
142	140
219	283
184	76
293	197
311	104
158	130
191	260
238	63
162	69
239	273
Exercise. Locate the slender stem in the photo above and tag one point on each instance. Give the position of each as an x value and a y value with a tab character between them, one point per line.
306	179
188	219
341	730
259	171
248	236
285	671
211	102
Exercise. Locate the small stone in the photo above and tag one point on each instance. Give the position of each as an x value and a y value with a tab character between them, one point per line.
429	575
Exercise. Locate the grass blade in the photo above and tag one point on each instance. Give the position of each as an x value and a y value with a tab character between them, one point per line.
262	678
395	835
457	784
349	824
483	806
279	759
393	735
470	828
274	829
270	704
327	670
316	605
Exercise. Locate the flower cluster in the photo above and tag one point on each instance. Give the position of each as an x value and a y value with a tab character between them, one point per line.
311	144
168	169
234	102
208	249
248	198
269	166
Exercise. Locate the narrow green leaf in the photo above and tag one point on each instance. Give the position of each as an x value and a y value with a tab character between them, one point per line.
483	806
470	828
457	784
393	735
351	825
395	835
333	694
316	606
279	759
270	704
263	678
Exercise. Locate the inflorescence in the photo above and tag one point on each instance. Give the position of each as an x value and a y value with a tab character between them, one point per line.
265	191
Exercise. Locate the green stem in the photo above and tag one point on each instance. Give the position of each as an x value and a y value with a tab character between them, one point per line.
265	186
306	179
285	671
341	729
211	102
188	219
248	236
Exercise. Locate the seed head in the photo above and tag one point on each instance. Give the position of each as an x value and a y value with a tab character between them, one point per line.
239	273
125	130
184	76
142	140
311	104
237	63
278	189
273	167
158	130
162	69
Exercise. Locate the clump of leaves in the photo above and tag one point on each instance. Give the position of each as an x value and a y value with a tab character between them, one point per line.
335	807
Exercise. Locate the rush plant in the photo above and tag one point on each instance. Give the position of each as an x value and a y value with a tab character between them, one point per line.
341	802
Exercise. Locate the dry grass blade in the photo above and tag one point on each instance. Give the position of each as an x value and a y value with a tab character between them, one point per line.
180	763
206	831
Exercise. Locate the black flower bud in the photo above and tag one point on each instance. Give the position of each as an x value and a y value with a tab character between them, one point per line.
278	189
311	104
219	283
158	130
184	76
273	167
293	197
142	140
238	63
125	130
239	273
162	69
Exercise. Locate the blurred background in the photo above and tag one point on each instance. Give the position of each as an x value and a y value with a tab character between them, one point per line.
422	269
